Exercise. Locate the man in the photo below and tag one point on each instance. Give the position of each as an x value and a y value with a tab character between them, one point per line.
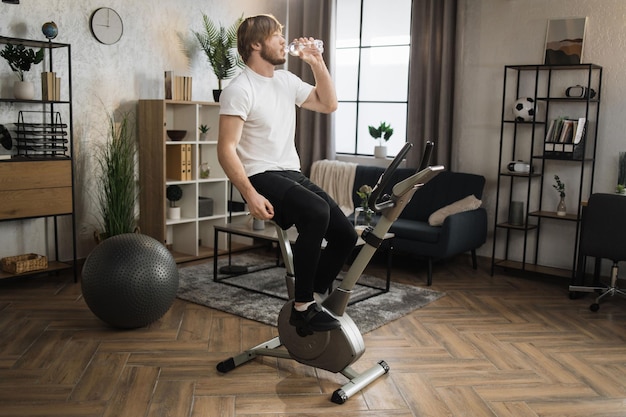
257	151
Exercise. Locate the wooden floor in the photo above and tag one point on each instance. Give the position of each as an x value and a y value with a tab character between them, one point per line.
493	346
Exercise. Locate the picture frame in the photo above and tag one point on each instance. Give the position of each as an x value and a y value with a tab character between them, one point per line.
565	39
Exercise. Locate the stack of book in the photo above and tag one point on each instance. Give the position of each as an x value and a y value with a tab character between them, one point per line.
177	87
564	138
50	86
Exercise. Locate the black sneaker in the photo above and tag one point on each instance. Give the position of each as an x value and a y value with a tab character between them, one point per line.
313	319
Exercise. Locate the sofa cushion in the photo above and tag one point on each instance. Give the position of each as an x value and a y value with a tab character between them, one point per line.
465	204
444	189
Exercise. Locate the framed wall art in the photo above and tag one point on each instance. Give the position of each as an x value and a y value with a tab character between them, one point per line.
564	41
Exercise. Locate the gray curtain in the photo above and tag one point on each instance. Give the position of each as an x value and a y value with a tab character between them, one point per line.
311	18
431	79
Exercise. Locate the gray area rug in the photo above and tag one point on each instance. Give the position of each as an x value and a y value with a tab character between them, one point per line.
196	285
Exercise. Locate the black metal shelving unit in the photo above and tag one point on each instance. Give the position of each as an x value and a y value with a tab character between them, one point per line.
42	138
526	140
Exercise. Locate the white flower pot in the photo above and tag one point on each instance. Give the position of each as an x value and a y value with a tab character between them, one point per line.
380	151
173	213
23	90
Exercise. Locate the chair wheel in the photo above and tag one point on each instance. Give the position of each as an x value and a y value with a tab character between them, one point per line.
594	307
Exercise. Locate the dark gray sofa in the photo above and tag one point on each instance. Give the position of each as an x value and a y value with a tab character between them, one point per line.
461	232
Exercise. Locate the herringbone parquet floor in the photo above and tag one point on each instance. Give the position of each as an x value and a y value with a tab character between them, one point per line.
493	346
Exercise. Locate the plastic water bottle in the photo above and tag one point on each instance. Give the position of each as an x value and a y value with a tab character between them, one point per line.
295	47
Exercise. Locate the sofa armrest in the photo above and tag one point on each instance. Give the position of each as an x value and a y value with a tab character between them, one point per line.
464	231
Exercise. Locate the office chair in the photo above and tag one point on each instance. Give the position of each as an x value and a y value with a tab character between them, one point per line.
603	236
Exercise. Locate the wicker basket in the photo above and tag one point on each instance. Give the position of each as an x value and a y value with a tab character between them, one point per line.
24	263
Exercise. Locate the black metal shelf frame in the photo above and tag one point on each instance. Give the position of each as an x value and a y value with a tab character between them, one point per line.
541	89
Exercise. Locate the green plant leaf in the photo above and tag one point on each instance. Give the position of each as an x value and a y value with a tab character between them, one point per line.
117	186
220	47
21	58
374	132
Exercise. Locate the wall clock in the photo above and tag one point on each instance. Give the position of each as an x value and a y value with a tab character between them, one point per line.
106	25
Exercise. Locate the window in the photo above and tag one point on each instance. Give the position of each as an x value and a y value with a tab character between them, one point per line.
372	72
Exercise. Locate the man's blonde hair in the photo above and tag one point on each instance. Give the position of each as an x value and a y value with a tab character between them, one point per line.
255	29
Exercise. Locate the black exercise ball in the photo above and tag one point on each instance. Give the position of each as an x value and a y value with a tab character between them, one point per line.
129	280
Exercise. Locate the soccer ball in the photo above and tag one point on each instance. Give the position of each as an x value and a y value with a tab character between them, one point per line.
524	109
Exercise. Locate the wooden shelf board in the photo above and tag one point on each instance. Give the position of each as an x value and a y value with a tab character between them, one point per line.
553	215
538	269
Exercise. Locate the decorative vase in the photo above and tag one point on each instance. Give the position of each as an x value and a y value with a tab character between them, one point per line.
205	171
561	209
380	151
203	136
366	219
216	95
173	213
258	224
23	90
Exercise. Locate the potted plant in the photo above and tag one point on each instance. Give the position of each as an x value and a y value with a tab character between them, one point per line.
220	47
173	193
382	133
364	192
117	189
561	209
20	60
204	129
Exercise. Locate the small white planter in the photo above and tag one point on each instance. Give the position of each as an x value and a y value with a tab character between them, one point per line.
380	151
23	90
173	213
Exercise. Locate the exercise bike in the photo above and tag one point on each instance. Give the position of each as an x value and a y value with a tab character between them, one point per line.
337	349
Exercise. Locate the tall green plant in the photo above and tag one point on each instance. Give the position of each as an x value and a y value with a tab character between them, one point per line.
118	190
220	47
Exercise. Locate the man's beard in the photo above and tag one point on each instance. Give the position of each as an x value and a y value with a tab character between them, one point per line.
266	54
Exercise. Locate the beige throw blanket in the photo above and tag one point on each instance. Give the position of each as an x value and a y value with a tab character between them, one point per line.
337	179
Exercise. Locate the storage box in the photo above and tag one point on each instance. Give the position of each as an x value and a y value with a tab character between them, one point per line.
24	263
205	206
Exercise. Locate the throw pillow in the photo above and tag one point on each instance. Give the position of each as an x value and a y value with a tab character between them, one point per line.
468	203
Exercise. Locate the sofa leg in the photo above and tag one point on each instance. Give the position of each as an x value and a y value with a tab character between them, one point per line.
474	263
430	271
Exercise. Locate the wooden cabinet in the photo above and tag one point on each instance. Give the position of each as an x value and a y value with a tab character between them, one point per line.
205	199
34	189
38	180
525	245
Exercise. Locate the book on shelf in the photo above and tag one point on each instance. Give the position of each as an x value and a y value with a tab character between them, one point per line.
168	85
177	87
564	137
50	86
178	162
188	162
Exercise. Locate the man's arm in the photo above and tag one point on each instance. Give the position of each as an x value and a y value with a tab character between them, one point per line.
323	98
230	129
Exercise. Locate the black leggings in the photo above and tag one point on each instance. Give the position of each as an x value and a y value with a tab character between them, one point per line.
297	201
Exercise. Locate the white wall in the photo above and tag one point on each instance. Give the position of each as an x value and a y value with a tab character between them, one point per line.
495	33
106	78
492	33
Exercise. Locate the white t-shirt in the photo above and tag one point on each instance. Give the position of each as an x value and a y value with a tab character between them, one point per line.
267	106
